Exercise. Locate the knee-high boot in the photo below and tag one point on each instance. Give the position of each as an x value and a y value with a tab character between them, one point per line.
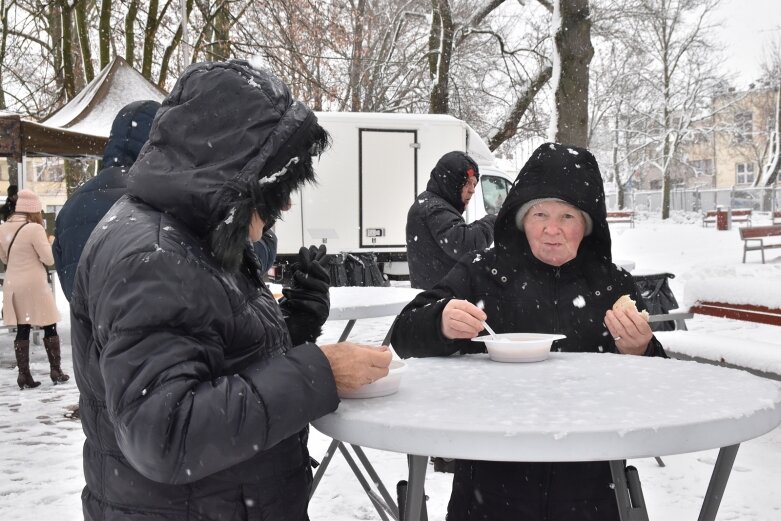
22	351
52	345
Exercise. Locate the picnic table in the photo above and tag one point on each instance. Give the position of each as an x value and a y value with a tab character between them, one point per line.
571	407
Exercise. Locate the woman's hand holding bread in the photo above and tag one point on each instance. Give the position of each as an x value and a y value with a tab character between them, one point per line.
629	328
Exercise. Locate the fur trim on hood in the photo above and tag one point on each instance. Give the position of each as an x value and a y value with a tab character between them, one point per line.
228	140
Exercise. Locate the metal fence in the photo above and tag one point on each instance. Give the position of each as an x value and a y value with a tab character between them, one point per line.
766	199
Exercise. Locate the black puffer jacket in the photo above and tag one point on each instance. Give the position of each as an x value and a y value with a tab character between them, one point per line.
522	294
193	401
87	206
437	235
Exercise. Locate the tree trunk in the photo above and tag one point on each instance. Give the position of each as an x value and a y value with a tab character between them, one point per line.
82	31
104	33
150	35
666	152
3	42
68	75
573	46
130	33
440	54
54	19
356	61
165	63
222	25
616	169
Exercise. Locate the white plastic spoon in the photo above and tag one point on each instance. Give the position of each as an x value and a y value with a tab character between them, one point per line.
488	328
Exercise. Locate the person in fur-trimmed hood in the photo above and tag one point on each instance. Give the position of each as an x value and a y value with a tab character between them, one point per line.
550	271
196	386
437	234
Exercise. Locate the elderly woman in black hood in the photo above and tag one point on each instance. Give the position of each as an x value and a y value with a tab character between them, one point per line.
551	271
196	386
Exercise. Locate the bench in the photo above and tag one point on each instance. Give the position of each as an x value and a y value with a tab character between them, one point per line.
623	216
762	359
739	215
754	239
777	217
747	312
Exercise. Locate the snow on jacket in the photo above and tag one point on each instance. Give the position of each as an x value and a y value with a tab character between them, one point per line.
437	235
522	294
90	202
27	295
193	401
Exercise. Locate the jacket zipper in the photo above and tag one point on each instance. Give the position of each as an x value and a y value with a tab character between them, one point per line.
556	278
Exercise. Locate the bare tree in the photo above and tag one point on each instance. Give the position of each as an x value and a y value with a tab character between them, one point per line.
573	53
672	34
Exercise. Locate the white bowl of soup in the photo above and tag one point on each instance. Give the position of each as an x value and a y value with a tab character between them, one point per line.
518	347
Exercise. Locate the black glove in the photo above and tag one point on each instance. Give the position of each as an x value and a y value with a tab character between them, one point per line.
306	303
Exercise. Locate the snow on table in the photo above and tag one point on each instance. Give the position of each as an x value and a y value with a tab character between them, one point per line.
353	302
572	407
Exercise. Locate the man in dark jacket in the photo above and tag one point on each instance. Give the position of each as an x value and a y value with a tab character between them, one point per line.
437	235
9	206
92	200
551	271
196	386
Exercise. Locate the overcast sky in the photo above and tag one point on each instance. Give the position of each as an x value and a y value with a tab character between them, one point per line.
748	27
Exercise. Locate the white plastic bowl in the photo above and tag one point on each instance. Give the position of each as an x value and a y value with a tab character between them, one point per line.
382	387
518	347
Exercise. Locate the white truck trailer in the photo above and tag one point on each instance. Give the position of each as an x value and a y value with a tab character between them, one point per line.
369	178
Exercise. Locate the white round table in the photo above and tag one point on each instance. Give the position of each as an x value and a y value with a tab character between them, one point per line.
352	303
571	407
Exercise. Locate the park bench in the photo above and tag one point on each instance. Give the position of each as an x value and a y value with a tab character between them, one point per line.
754	239
739	215
777	217
747	312
622	216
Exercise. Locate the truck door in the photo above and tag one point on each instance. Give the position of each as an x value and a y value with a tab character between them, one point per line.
387	178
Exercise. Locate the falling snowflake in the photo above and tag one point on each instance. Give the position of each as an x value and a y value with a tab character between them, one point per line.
579	301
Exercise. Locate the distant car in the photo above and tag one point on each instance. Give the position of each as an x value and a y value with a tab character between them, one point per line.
744	199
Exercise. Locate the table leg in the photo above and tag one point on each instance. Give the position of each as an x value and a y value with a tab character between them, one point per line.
718	482
323	465
376	479
376	501
347	329
631	505
417	476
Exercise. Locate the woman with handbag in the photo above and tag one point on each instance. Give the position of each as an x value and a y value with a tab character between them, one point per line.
27	297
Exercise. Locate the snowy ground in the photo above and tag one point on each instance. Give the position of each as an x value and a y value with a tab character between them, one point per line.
40	450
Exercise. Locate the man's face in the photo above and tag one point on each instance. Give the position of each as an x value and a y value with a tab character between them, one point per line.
468	190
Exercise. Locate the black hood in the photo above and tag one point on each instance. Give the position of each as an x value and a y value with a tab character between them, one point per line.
557	171
449	176
129	132
229	139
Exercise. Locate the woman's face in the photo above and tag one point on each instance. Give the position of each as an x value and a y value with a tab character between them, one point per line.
554	231
256	226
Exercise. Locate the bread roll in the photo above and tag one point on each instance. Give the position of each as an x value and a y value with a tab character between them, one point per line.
627	304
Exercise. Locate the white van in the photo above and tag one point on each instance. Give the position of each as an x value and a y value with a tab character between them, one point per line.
369	178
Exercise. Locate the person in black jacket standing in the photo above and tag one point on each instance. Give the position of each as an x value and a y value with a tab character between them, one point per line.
196	386
91	201
437	235
550	271
9	206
